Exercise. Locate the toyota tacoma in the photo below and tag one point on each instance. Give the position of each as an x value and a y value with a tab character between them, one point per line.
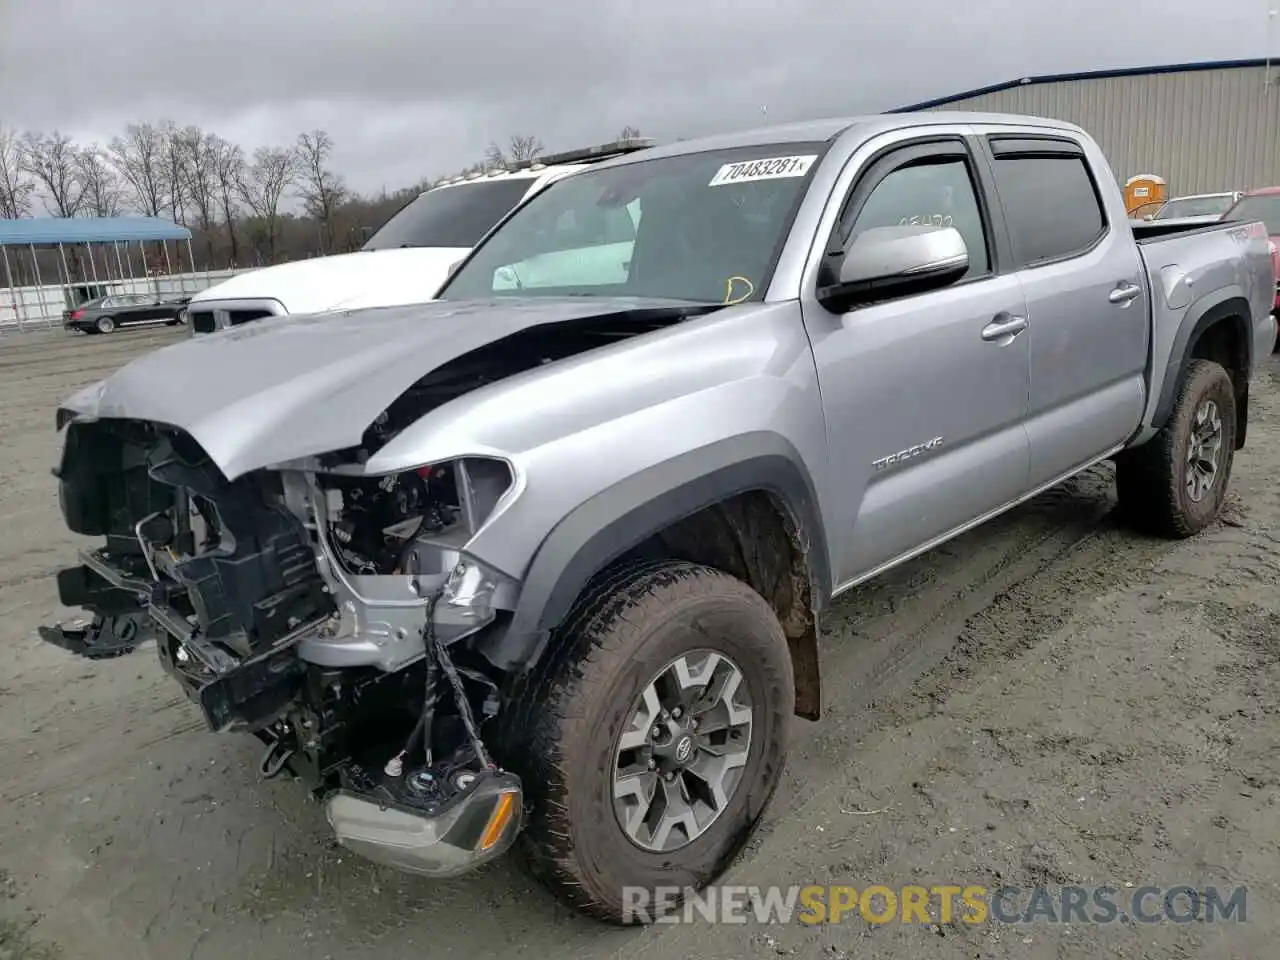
542	563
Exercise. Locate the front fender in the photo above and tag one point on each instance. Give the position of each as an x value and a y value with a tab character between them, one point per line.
628	513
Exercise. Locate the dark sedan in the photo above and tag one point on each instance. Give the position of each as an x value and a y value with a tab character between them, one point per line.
123	310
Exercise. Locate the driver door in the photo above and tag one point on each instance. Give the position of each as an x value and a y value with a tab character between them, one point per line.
925	407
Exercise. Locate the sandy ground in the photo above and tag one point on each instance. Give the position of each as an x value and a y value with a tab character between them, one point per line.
1049	700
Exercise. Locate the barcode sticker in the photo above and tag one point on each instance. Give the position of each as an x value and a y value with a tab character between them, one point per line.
771	168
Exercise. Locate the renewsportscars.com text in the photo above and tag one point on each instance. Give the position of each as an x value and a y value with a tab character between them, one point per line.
943	903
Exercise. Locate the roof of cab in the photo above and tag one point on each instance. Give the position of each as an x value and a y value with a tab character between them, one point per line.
826	130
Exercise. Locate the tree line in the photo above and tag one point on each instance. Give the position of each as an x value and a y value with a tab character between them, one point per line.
236	203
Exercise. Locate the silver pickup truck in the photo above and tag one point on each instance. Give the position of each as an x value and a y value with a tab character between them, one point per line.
545	560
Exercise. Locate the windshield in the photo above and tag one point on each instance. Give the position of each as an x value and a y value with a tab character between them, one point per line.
453	216
1194	207
704	227
1265	208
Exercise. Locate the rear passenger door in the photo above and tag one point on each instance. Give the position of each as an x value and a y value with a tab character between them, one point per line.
132	310
928	373
1082	277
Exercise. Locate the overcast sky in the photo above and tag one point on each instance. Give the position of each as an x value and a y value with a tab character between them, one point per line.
414	88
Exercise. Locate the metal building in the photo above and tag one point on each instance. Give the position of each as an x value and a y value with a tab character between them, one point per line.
1203	127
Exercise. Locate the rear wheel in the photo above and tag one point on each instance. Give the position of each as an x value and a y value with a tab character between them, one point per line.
652	737
1173	485
105	324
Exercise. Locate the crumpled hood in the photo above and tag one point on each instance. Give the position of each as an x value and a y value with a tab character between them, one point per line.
370	278
261	394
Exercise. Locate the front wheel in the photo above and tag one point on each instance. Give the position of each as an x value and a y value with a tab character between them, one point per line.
652	738
1173	485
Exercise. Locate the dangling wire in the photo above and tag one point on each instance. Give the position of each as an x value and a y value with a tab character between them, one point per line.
438	659
459	693
422	729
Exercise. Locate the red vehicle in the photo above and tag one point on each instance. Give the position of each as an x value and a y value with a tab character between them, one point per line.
1264	205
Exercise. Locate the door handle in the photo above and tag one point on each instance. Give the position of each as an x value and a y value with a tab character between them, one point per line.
1124	293
1002	331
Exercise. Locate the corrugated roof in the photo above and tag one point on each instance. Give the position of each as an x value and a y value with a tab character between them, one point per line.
1088	75
53	230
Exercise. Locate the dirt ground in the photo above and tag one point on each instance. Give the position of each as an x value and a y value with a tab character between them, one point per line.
1049	700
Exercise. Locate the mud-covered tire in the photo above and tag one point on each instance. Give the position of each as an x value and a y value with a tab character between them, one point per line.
564	728
1151	480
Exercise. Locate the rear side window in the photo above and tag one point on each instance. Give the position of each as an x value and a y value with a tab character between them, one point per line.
1050	204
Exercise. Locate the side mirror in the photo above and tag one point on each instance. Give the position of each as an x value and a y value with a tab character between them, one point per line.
896	261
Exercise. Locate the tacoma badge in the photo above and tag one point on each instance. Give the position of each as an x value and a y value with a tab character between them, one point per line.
907	454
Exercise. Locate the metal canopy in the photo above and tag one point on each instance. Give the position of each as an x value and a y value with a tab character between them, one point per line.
42	231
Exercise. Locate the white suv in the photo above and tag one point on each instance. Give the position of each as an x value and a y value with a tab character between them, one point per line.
406	261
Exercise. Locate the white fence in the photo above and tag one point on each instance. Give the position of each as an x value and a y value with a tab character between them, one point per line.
38	308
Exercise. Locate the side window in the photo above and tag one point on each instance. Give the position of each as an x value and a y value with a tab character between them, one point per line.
1051	206
938	191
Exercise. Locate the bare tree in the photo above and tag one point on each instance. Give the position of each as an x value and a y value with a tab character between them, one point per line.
50	159
495	158
102	188
520	149
228	172
199	159
524	148
629	133
264	183
322	190
139	157
173	156
15	184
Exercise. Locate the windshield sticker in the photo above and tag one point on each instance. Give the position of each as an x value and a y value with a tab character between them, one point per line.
773	168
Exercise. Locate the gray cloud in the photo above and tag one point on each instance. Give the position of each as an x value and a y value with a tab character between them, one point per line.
409	89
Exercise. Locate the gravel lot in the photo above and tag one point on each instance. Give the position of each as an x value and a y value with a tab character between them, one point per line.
1047	700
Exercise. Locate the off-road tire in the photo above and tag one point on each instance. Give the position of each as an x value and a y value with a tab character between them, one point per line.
1151	479
566	719
105	325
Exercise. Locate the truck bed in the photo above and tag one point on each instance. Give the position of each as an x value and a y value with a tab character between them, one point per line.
1186	263
1146	231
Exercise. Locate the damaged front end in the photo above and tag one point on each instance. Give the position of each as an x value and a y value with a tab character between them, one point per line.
334	615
